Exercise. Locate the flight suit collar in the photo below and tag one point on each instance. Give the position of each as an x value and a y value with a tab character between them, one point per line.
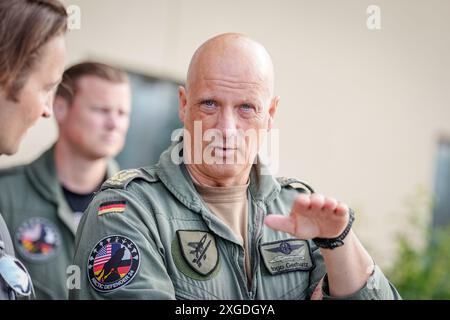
42	175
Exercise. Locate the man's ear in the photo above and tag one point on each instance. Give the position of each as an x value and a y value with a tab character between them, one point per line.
182	102
60	108
272	111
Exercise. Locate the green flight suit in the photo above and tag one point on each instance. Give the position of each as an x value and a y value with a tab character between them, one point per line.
33	206
149	235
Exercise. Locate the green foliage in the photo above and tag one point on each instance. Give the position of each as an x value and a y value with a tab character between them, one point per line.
423	273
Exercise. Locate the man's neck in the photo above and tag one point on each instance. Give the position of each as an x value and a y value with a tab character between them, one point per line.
204	180
77	173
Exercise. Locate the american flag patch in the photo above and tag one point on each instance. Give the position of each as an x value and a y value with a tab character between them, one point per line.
112	207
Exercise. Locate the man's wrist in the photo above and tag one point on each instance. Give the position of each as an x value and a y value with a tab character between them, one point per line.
333	243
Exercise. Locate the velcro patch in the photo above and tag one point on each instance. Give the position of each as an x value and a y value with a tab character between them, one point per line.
37	239
286	256
113	263
199	249
111	207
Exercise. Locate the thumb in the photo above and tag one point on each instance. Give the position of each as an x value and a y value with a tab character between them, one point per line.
280	223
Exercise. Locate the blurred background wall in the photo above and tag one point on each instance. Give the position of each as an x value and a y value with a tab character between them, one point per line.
362	112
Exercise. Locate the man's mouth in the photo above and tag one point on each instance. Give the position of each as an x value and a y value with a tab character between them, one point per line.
225	152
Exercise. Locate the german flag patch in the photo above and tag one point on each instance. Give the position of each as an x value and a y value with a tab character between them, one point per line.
112	207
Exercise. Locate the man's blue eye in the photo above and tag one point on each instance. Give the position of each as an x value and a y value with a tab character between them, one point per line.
209	103
246	107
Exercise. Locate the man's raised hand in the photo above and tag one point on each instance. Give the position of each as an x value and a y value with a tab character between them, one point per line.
312	216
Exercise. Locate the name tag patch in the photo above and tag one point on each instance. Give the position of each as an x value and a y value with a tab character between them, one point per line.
286	256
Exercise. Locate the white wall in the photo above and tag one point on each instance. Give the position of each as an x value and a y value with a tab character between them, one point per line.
361	111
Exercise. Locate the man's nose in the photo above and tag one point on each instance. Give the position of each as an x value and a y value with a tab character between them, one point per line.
227	122
112	121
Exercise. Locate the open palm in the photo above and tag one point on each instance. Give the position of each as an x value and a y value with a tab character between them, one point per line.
312	216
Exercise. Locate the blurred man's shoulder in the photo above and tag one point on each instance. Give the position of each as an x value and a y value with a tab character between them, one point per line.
12	173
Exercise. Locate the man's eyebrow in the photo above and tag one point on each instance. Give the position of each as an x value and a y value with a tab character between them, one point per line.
206	98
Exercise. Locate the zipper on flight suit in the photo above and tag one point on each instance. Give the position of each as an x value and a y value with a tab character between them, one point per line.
255	256
239	251
250	290
240	264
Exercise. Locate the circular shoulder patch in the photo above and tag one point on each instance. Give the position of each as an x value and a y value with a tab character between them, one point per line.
113	263
37	239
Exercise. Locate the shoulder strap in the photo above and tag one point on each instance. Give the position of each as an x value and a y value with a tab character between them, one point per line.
121	179
293	183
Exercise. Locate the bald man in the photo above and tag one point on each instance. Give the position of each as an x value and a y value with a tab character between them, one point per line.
208	221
